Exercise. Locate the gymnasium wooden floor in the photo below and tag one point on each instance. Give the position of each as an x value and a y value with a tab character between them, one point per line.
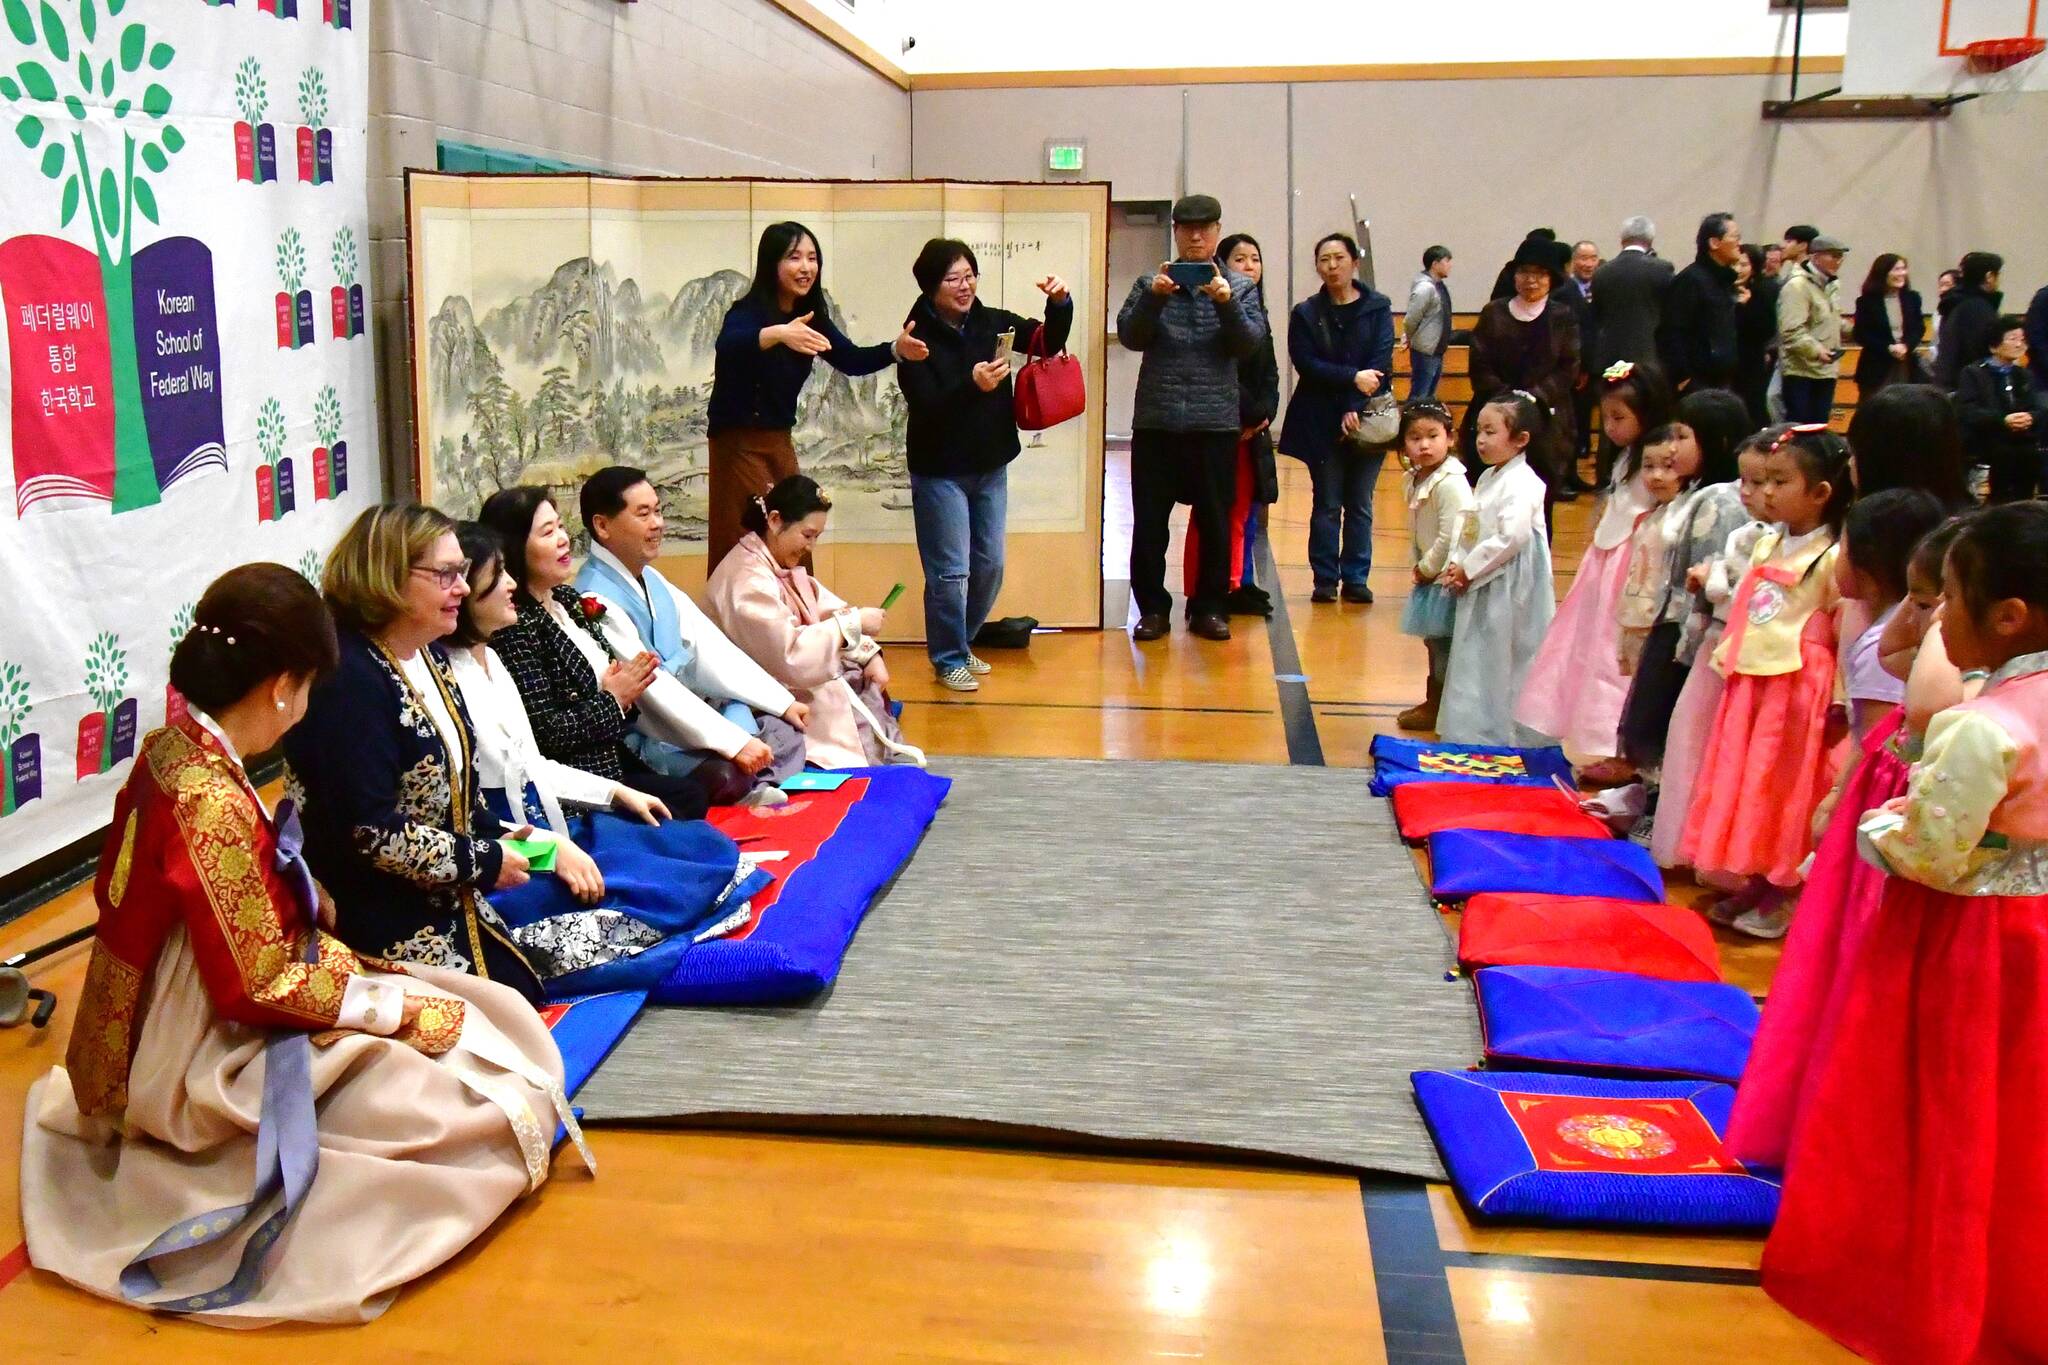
722	1247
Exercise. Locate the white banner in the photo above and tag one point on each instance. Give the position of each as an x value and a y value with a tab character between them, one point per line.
187	370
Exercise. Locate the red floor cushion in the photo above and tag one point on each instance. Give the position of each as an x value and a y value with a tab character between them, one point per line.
1649	938
1423	808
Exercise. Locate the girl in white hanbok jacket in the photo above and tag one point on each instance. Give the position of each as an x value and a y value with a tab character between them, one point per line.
1501	574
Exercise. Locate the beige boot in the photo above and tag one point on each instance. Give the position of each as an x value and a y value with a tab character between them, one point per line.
1423	716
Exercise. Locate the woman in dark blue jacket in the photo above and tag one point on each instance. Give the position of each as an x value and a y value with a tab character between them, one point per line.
1341	342
763	356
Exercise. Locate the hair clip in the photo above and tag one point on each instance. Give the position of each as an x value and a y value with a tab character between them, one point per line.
1797	429
1428	406
1524	393
761	502
1618	371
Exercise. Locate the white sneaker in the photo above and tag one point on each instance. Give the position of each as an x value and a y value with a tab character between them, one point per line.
959	679
975	665
766	795
1769	924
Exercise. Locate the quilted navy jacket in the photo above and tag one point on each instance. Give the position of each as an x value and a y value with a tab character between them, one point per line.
1191	344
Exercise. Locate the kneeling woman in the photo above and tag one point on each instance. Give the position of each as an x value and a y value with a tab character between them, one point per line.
824	651
224	1036
651	876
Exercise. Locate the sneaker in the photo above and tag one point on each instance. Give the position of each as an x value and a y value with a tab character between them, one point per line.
1643	832
1758	922
959	679
765	796
1729	909
1323	593
981	666
1358	592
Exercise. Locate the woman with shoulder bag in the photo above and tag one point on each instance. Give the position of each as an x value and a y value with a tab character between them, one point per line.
962	437
1342	417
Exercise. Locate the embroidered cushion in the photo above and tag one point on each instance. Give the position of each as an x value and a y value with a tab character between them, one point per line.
840	849
1573	1149
1650	939
1400	761
1423	808
586	1029
1582	1020
1465	862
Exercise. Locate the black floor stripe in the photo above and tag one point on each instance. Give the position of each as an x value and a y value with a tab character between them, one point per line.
1304	745
1605	1270
1417	1316
1099	706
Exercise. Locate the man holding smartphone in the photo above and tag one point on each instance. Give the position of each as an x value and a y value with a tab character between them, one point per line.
1192	321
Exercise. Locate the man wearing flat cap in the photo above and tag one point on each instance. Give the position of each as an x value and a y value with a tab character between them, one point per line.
1810	330
1192	321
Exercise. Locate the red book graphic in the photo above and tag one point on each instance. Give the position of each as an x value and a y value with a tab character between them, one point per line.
337	308
57	347
322	490
245	151
92	737
266	493
307	169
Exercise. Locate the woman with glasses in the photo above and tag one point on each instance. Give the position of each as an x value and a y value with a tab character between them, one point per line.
963	435
382	767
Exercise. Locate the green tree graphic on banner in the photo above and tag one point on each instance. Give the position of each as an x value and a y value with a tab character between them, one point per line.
13	720
106	679
100	59
327	416
312	566
344	257
313	98
181	624
270	432
252	96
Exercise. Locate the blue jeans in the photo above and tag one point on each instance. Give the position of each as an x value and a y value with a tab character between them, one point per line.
1423	372
960	544
1809	400
1343	486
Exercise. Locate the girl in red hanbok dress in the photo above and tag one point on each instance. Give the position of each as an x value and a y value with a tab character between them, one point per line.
1917	1189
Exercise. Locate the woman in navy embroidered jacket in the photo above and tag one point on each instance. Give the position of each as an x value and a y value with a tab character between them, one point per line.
381	765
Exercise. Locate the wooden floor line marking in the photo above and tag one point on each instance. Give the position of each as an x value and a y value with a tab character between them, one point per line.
1297	716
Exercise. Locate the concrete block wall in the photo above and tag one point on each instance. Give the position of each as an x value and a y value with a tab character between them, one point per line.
659	87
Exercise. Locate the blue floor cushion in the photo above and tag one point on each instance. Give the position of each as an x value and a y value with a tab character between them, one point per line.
1468	862
1398	761
1576	1150
588	1028
1579	1020
837	849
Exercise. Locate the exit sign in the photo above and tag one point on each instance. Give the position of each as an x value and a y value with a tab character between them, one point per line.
1066	158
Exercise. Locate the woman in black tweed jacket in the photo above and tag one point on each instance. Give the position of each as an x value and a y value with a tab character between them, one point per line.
578	696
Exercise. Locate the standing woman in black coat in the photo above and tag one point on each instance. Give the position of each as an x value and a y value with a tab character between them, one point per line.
1890	328
1258	482
962	437
1756	333
1524	343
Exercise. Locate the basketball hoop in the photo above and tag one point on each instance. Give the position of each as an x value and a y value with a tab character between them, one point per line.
1998	54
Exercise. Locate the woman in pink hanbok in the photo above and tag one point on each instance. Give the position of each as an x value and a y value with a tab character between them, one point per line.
809	640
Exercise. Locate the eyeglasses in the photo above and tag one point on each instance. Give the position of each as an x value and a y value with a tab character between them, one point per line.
955	281
445	576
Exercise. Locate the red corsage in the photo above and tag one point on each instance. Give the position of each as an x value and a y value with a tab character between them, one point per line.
592	607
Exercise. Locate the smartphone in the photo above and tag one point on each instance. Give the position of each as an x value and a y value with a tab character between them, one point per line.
1005	343
1190	275
890	600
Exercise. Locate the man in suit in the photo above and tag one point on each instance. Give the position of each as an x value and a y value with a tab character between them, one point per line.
1576	294
1627	303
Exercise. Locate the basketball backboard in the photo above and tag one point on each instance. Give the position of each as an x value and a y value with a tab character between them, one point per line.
1896	47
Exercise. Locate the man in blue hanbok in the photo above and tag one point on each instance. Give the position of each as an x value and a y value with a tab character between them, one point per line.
711	711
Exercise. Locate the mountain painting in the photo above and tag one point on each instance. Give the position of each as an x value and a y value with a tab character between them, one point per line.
546	348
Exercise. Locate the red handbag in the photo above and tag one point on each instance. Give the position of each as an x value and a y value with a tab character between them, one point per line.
1049	388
